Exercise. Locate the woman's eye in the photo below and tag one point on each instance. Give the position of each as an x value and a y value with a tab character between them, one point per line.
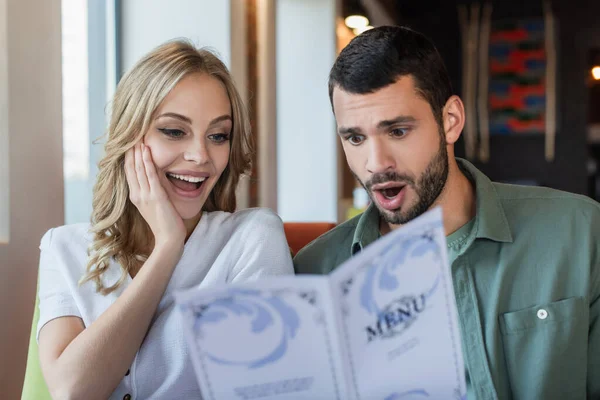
355	140
174	133
219	137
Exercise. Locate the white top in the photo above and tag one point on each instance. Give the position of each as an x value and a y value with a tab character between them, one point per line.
224	247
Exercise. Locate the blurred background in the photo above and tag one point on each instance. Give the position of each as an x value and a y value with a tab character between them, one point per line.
528	71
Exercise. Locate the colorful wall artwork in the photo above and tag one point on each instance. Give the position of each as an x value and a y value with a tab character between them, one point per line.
517	85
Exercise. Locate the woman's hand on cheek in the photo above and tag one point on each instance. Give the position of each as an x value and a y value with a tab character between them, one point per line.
150	198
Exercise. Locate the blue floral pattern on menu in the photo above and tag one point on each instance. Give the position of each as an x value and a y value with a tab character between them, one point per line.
265	311
382	274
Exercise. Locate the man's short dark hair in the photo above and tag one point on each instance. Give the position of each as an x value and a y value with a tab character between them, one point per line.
380	56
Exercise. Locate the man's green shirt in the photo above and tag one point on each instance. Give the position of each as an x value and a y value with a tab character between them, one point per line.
526	277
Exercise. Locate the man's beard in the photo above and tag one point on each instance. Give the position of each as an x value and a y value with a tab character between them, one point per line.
428	188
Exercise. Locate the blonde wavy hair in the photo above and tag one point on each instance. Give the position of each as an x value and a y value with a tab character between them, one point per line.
119	231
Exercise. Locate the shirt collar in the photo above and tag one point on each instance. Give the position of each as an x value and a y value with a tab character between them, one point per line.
367	229
490	220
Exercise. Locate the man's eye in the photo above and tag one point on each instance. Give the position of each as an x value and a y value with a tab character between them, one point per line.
399	132
174	133
355	139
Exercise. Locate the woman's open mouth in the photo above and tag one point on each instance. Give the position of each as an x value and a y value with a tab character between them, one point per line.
186	185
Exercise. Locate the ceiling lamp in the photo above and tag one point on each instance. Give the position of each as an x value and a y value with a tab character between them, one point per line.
355	15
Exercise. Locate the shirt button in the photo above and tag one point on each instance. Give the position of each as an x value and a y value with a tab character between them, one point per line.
127	397
542	314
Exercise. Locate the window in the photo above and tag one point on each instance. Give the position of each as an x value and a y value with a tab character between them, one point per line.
76	138
89	60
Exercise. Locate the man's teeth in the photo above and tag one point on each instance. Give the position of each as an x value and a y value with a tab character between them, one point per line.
187	178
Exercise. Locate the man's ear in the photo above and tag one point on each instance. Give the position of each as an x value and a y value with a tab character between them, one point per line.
454	119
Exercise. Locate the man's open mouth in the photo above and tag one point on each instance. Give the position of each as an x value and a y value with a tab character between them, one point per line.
390	195
391	192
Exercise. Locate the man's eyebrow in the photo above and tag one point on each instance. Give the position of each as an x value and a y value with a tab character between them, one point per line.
343	131
402	119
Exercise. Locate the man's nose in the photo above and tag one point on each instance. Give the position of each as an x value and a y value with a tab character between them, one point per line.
380	157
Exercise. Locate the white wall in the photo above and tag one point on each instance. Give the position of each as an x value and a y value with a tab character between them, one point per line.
36	175
146	24
306	139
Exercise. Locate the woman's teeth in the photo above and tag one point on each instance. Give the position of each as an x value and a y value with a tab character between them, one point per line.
188	178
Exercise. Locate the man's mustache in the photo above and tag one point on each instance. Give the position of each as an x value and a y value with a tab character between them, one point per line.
390	176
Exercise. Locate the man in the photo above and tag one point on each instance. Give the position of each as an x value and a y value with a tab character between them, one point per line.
524	260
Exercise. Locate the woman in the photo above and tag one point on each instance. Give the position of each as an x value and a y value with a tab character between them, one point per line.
163	220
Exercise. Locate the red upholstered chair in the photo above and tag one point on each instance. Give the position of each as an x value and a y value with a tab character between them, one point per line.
299	234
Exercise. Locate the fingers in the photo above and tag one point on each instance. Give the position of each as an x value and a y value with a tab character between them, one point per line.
153	180
140	169
141	173
134	186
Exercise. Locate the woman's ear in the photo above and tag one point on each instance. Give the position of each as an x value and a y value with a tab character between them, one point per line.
454	119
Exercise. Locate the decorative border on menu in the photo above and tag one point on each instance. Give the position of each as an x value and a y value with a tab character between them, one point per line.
287	315
428	236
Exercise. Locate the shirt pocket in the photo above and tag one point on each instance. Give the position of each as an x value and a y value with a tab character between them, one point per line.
545	349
